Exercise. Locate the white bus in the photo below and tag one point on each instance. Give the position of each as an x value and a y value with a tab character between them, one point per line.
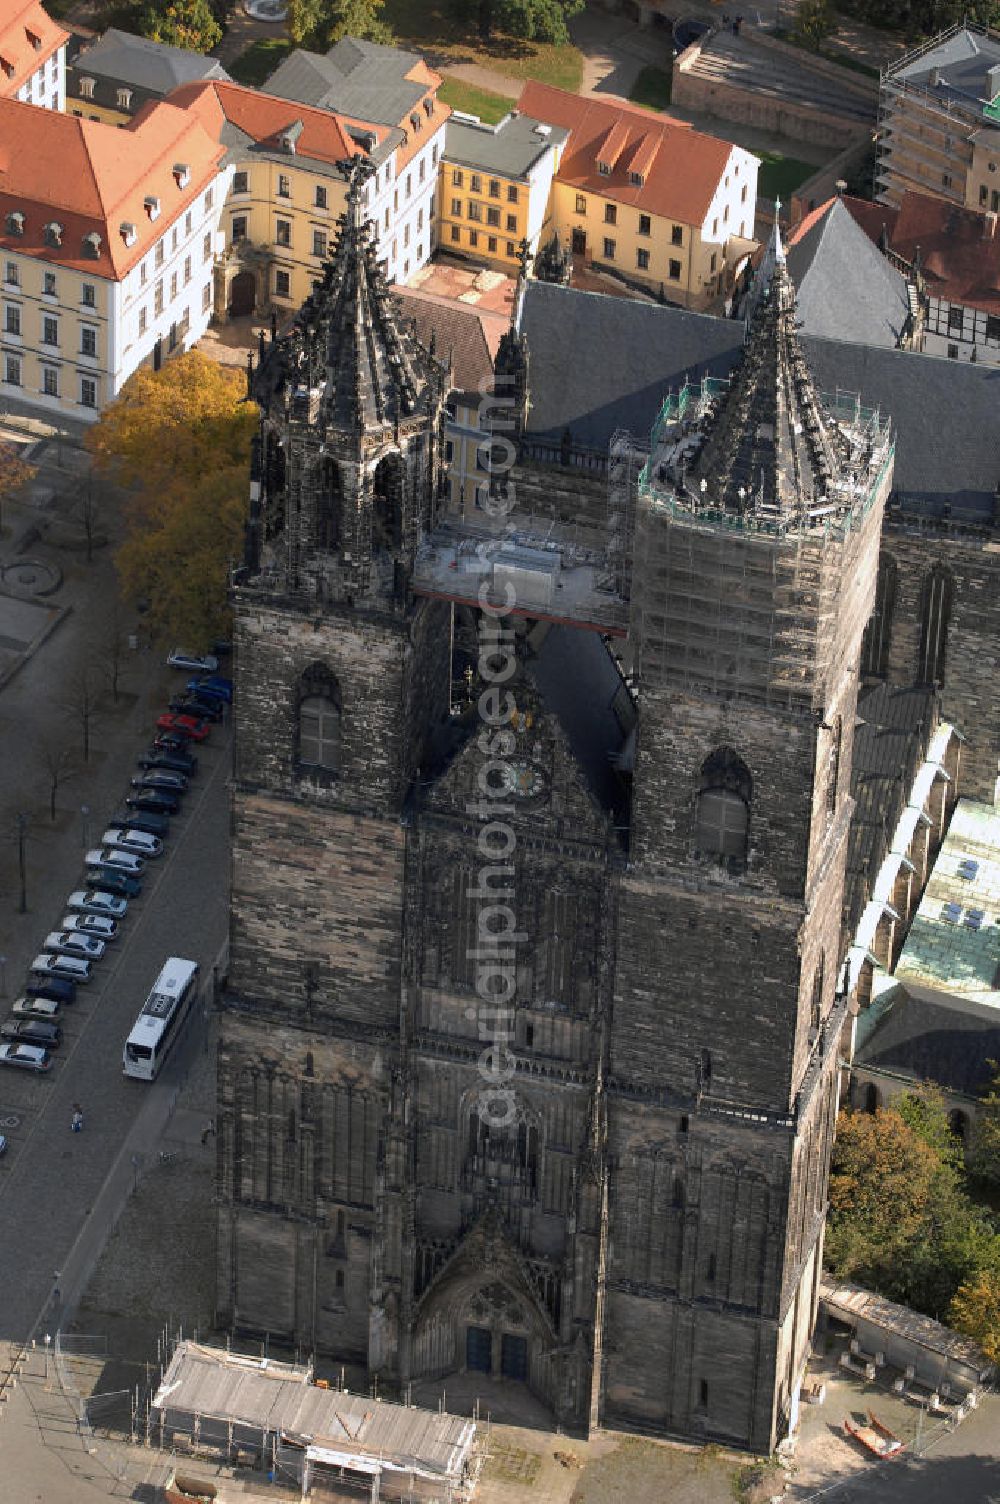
159	1022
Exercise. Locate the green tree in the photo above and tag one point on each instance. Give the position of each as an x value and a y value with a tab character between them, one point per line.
183	23
317	24
180	439
814	22
975	1309
985	1155
534	20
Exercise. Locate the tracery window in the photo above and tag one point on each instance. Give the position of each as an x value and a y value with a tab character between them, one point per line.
320	715
722	818
878	633
938	596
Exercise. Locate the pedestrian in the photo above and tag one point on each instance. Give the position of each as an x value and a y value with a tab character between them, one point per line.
76	1123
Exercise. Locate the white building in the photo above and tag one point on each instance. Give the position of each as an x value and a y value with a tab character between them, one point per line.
32	57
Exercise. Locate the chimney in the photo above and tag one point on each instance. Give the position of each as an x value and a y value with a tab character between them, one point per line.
989	225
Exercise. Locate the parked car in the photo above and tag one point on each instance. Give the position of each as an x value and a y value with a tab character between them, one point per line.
214	686
33	1031
96	901
127	838
111	856
223	648
202	709
168	779
90	924
143	819
183	725
56	989
3	1144
114	880
36	1007
153	803
72	968
29	1057
69	943
204	662
173	743
179	760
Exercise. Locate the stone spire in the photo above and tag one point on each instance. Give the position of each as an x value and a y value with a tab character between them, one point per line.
351	336
553	264
770	443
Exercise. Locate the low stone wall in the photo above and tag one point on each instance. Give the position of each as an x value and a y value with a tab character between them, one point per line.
767	112
846	79
823	183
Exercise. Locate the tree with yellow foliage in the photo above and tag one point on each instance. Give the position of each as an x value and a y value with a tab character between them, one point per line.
976	1310
179	439
14	471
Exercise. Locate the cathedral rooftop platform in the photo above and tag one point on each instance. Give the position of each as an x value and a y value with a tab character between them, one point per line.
552	576
952	953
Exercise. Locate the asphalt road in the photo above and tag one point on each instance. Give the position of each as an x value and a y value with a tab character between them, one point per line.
50	1178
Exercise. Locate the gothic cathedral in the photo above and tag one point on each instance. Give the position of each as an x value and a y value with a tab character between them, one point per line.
639	1238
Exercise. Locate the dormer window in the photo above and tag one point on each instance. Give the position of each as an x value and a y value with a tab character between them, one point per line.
182	174
289	137
428	107
636	179
34	39
53	233
129	232
415	121
15	222
604	168
124	99
152	206
86	88
92	246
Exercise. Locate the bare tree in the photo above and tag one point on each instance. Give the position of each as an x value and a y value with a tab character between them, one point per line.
83	702
110	645
88	510
57	762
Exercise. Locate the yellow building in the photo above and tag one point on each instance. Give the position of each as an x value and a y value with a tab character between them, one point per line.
648	199
494	186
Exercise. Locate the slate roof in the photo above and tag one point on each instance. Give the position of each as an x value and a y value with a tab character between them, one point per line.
962	61
151	66
846	288
510	148
600	363
932	1042
363	79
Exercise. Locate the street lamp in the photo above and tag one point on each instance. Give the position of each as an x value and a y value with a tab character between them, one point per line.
85	813
22	825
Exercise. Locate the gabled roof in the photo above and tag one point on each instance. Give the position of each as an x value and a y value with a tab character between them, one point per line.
680	167
959	249
469	335
93	178
152	66
242	117
600	363
845	287
27	38
362	79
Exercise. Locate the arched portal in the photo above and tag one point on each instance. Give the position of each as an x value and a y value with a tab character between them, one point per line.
387	505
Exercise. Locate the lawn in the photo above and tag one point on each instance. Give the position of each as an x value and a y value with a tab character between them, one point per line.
260	60
488	106
780	176
432	28
652	89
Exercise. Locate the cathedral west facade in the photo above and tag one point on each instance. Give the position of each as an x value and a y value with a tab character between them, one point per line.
620	766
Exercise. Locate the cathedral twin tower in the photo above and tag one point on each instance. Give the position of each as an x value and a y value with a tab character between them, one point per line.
638	1236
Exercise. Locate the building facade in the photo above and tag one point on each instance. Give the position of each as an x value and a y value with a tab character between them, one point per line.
654	202
637	1235
120	271
495	185
111	78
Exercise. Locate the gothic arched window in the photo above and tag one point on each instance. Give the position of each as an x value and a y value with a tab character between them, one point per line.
722	817
387	505
274	484
328	505
938	594
833	765
320	715
878	633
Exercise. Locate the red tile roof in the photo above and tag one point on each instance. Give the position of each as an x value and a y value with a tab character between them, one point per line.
90	178
470	335
680	167
27	39
959	249
264	118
